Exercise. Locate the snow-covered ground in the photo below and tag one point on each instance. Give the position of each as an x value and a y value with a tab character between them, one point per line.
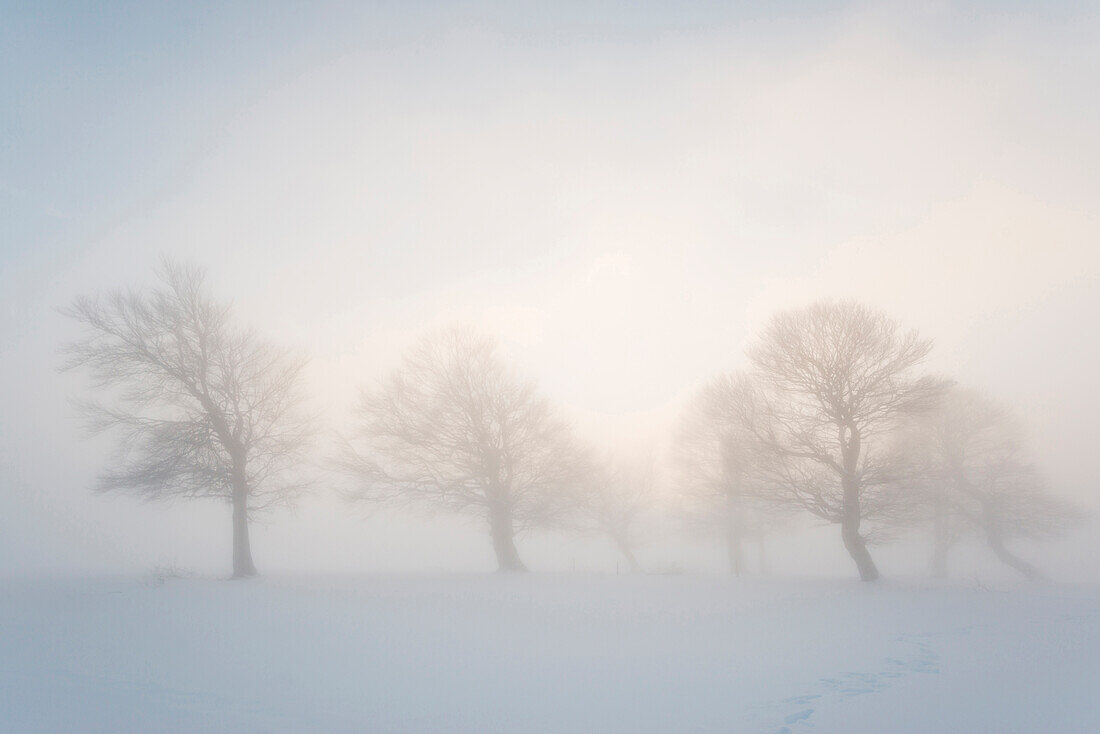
542	653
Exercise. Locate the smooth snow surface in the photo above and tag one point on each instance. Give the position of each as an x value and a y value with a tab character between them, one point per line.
546	654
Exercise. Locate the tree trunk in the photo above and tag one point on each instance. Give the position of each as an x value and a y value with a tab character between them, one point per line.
1031	573
996	543
734	531
941	539
733	550
851	512
857	549
849	531
628	553
503	532
243	567
939	559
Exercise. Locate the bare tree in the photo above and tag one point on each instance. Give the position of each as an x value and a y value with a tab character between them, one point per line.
721	466
455	429
202	408
620	497
974	478
918	495
837	378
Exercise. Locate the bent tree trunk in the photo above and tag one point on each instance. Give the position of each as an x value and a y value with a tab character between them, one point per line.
851	512
995	542
857	549
1031	573
849	531
504	542
628	553
243	567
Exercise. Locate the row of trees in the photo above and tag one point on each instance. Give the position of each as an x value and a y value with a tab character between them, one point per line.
832	418
832	421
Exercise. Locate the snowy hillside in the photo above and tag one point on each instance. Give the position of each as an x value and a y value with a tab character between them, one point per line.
545	654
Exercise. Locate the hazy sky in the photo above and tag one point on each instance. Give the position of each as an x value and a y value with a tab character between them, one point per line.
623	192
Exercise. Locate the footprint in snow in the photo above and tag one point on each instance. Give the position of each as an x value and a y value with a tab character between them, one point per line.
848	684
798	716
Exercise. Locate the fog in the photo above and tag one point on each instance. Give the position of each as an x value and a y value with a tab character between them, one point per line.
623	198
653	243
